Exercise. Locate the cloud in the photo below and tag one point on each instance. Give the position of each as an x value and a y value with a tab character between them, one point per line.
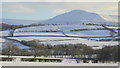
61	7
17	8
59	11
96	7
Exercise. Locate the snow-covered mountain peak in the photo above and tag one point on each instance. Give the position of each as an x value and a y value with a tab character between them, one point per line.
75	16
77	11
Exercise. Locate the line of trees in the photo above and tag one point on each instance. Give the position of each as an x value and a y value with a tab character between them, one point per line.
40	31
108	53
11	49
87	29
47	50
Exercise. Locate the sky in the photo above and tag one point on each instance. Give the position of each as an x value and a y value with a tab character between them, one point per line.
47	10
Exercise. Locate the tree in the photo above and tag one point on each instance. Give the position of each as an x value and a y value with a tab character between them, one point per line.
11	49
109	53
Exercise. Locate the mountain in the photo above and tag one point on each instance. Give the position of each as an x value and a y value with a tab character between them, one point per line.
77	17
17	21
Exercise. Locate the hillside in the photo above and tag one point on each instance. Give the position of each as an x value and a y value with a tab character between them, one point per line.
78	17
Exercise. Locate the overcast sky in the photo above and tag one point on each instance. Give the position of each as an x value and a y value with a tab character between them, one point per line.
46	10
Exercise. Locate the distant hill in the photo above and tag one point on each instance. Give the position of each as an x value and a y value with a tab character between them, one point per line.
18	22
112	18
76	17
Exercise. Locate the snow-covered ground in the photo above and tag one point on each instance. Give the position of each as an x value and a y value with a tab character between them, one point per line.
91	30
33	33
113	27
36	30
66	40
21	45
57	38
4	33
38	34
3	41
56	64
92	33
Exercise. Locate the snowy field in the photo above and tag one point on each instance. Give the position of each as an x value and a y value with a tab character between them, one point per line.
58	38
60	35
91	30
55	64
38	34
4	33
65	40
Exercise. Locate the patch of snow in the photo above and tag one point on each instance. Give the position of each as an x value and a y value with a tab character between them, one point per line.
66	40
4	33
